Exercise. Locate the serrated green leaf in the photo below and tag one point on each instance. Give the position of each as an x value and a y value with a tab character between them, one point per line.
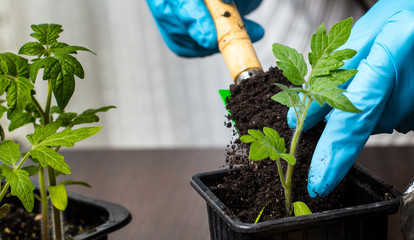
56	46
70	50
5	170
335	98
256	133
300	208
70	65
275	140
89	116
69	137
4	210
283	98
32	49
32	169
319	42
9	152
336	77
18	95
258	151
339	34
49	157
22	187
291	63
325	65
288	158
20	119
46	34
343	54
3	67
42	132
4	83
267	145
63	88
17	66
66	118
247	139
59	196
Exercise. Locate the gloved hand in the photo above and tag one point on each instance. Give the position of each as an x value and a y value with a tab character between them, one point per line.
383	89
188	29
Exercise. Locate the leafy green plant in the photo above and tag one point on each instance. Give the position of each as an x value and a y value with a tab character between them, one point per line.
321	85
53	127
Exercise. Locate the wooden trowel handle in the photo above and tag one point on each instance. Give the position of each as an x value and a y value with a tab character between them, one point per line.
233	41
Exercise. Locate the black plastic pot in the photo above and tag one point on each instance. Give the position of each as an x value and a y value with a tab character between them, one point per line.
108	216
366	220
116	216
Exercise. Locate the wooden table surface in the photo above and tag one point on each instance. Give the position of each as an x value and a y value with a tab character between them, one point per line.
154	186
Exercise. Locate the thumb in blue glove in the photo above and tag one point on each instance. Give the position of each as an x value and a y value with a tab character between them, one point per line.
188	29
383	89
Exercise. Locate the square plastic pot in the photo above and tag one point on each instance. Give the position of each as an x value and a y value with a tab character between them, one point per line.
367	218
111	216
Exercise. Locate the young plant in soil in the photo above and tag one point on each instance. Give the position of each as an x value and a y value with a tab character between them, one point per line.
53	128
321	85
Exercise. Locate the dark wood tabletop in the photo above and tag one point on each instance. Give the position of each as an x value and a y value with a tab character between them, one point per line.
154	186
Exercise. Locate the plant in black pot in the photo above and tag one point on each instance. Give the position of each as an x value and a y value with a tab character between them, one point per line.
251	201
53	128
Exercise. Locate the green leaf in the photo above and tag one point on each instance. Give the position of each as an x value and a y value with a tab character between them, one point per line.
256	133
49	157
71	182
18	95
300	208
89	116
4	83
9	152
59	196
22	187
335	98
336	77
69	137
63	88
267	145
287	97
17	66
46	34
32	169
247	139
32	49
4	210
291	63
344	54
66	118
56	46
319	42
20	119
5	170
70	65
42	132
325	65
69	50
339	34
260	213
288	158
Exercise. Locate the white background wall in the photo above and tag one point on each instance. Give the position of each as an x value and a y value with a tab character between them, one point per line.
163	101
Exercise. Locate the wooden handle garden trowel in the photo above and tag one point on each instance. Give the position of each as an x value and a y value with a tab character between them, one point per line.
234	43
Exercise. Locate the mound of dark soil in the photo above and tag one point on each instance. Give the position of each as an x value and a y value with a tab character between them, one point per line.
258	183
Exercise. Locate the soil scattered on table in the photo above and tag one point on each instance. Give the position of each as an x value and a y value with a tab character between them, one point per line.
258	183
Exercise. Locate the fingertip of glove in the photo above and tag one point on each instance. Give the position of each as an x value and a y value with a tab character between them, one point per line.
291	118
255	30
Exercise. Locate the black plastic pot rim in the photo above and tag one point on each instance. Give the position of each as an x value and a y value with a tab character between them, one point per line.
118	217
327	216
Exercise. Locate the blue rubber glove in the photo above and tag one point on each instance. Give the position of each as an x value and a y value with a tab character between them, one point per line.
188	29
383	89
